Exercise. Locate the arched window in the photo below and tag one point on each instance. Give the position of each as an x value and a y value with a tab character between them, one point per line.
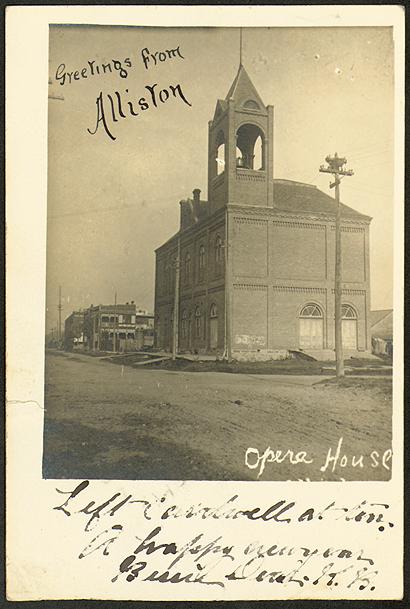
187	268
218	252
311	327
250	147
213	326
198	322
348	312
201	262
220	153
311	310
349	327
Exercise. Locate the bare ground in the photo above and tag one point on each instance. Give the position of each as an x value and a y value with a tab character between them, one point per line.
114	422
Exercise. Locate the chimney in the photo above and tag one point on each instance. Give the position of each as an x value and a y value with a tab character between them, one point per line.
197	205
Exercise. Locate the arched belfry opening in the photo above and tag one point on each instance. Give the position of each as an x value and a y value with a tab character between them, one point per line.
220	153
250	147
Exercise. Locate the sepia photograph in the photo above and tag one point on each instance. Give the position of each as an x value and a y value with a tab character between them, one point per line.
219	273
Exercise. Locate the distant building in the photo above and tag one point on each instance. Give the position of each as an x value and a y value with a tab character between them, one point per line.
74	330
257	259
117	328
382	331
144	324
110	327
143	319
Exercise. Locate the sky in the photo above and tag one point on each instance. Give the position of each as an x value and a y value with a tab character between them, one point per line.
112	202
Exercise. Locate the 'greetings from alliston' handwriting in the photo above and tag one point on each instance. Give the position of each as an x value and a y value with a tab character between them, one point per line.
92	68
112	108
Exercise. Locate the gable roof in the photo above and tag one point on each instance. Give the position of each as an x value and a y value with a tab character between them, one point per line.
377	316
243	89
299	197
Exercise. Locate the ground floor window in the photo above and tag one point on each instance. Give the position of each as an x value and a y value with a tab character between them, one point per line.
198	317
311	327
213	326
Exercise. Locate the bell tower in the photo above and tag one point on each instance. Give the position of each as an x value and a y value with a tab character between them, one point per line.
240	148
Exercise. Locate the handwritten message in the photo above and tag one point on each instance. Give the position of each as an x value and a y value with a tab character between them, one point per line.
136	537
115	106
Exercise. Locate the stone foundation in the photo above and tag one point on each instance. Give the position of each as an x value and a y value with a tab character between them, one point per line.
263	355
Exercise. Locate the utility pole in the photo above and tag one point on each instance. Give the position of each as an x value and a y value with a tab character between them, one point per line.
114	337
335	167
176	304
59	307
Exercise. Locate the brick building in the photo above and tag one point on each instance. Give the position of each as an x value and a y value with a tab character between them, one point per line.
144	329
256	260
74	330
101	322
381	328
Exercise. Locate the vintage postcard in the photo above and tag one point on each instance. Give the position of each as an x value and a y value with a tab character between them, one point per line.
205	317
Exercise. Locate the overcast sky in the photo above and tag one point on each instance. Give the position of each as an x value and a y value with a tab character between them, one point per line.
111	203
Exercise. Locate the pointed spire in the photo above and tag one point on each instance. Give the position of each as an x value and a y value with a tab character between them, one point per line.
243	88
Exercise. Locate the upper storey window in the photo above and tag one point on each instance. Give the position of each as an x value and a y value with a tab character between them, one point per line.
250	147
218	254
201	262
187	269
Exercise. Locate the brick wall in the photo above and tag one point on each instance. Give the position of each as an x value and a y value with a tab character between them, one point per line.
199	288
278	266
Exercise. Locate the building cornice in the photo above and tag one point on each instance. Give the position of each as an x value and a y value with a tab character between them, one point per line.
272	212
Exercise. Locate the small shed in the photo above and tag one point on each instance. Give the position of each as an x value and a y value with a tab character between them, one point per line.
381	323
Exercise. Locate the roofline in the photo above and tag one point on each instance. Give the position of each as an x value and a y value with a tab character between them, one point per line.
358	219
375	323
380	310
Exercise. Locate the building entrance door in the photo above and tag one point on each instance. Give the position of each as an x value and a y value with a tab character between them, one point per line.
349	327
213	330
311	327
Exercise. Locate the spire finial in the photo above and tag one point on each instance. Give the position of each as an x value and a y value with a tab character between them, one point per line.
240	46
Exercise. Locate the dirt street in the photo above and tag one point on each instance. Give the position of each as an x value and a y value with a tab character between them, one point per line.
107	421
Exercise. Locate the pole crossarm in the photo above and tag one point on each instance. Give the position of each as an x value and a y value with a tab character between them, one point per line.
335	166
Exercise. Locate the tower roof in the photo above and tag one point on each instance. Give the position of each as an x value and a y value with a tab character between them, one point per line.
243	89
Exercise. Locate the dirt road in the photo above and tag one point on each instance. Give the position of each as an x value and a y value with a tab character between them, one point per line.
108	421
